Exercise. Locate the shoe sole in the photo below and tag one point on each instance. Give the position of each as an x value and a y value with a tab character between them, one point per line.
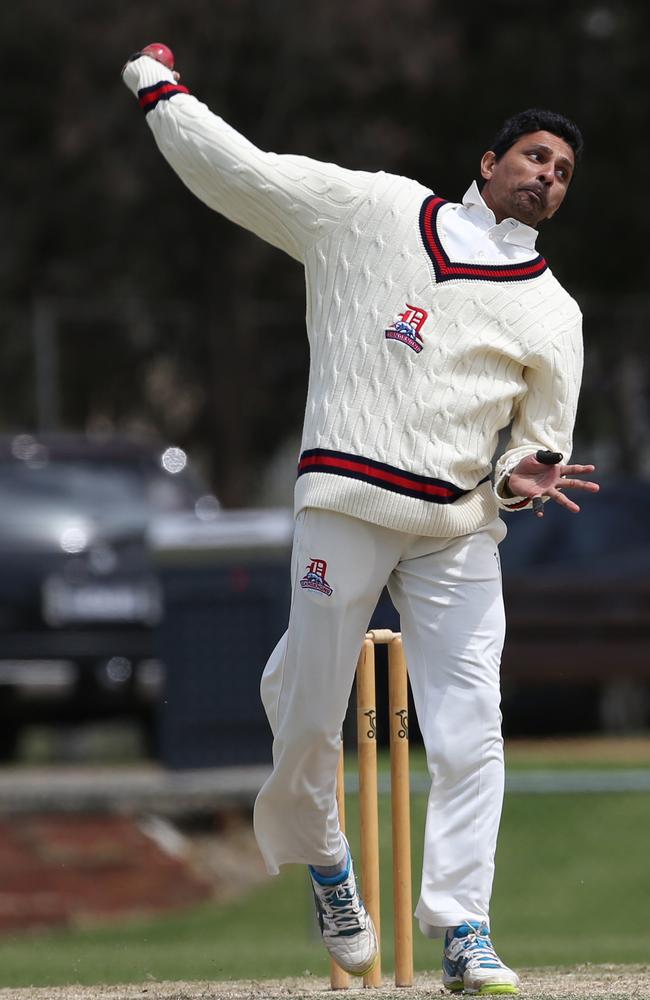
488	989
362	972
496	989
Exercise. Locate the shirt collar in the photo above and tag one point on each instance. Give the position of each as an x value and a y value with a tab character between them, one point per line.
509	231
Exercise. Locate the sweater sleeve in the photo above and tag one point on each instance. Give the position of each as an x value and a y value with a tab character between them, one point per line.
289	201
545	416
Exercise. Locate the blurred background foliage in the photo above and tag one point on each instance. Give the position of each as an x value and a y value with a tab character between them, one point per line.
125	304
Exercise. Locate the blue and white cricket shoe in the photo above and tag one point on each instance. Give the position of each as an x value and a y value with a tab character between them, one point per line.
345	925
470	962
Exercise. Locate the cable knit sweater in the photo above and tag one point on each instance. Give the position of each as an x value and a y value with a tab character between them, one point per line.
417	360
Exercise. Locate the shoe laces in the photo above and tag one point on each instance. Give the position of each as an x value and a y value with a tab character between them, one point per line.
475	947
341	908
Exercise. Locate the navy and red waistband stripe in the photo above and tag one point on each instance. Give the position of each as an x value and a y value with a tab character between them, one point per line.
387	477
149	97
447	271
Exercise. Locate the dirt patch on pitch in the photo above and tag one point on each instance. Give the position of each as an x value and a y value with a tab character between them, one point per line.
585	982
77	869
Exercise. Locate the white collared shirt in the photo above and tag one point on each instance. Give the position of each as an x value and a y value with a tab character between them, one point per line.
470	233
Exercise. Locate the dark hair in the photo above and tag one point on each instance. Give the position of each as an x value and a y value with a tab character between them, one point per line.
536	120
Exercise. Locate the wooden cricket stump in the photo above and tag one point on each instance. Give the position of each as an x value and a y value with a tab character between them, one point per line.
368	803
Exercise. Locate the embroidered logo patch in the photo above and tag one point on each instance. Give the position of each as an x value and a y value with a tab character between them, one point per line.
314	578
407	326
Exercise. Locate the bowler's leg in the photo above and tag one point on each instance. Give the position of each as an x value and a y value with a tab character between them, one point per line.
340	565
453	626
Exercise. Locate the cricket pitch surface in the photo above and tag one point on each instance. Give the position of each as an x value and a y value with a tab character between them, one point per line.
584	982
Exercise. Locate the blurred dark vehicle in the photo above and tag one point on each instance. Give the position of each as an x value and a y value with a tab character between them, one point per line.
79	599
577	592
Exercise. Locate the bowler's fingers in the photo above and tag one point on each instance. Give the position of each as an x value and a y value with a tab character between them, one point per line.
564	501
577	484
566	483
575	470
137	55
571	484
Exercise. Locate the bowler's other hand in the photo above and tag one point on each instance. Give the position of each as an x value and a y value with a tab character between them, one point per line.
531	478
150	55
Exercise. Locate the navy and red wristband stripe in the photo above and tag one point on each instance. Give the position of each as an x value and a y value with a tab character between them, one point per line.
516	506
445	270
149	97
387	477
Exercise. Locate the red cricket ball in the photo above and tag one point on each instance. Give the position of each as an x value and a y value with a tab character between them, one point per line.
162	53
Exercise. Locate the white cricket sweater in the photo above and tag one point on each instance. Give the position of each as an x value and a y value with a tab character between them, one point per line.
417	360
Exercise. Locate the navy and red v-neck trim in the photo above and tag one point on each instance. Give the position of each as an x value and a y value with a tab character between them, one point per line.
446	270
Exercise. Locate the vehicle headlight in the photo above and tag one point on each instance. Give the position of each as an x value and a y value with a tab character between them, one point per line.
173	460
75	537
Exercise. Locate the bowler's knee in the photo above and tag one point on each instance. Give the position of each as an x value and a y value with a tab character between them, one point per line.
456	748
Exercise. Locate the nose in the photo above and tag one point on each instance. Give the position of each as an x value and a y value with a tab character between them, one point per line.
546	173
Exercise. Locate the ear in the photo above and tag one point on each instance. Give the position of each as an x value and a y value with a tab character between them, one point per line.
488	161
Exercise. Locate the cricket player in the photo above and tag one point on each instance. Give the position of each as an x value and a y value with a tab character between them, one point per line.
432	325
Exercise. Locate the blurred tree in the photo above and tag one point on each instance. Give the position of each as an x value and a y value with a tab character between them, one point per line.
167	315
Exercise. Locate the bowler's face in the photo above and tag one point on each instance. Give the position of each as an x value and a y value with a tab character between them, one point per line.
530	180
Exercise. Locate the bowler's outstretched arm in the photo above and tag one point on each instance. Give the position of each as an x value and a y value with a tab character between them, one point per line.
289	201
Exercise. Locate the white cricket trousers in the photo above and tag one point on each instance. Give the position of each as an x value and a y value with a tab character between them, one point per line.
448	595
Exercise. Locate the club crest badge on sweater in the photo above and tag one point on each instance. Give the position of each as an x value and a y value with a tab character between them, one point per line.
314	579
407	326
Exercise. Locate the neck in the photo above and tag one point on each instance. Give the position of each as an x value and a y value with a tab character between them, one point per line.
499	215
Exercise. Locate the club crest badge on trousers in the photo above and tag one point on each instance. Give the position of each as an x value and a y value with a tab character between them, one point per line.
314	579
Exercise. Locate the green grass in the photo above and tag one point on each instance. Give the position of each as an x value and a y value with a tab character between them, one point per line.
569	889
571	871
